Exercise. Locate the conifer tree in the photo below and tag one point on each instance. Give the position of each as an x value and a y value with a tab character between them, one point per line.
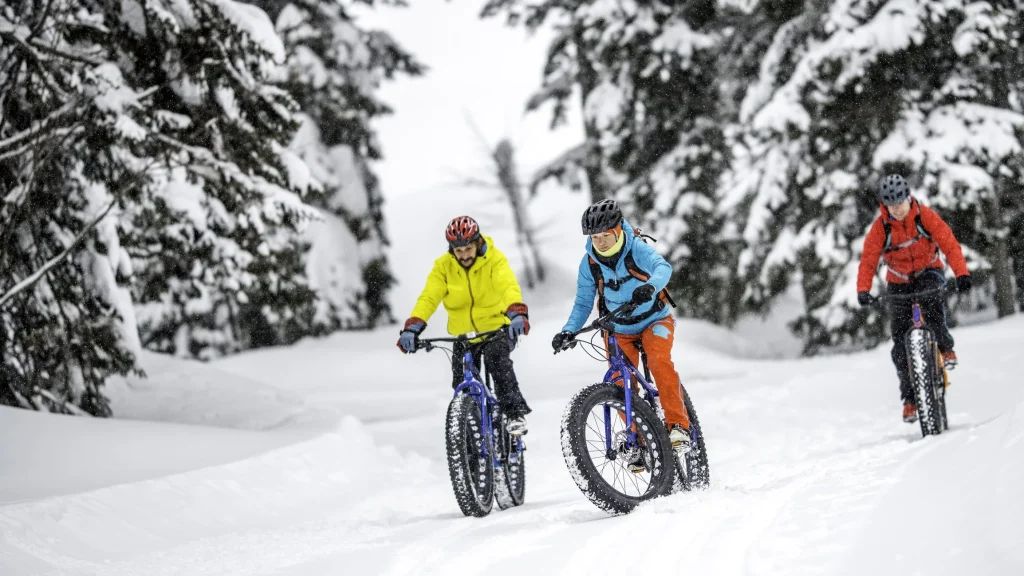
334	69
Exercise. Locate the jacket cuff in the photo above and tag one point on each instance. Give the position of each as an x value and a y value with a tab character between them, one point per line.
517	309
414	325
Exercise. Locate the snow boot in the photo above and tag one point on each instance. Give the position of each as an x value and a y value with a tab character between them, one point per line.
909	412
680	439
949	359
517	426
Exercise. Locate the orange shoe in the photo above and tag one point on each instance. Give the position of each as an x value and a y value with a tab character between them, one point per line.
909	412
949	359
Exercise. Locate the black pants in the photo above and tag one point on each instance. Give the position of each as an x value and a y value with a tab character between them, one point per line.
934	311
497	353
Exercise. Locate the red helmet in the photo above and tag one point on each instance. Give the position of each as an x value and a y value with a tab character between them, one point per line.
461	231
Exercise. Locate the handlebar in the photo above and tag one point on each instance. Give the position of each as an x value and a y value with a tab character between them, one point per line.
428	344
947	290
604	322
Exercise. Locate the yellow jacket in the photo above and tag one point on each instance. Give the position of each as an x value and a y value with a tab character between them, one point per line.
476	299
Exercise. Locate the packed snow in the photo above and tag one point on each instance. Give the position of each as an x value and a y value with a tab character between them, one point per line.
328	457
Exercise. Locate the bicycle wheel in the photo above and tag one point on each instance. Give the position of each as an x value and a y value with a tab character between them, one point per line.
510	484
693	469
921	355
602	474
471	471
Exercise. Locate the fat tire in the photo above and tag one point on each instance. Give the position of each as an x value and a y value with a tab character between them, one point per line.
510	481
472	480
921	357
694	473
581	466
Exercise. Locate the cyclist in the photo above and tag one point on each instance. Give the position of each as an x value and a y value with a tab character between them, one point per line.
619	268
909	237
480	292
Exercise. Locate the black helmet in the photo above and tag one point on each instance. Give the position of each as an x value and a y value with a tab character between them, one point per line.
893	190
601	217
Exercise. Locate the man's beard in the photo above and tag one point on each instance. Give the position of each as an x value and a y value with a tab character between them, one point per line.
467	262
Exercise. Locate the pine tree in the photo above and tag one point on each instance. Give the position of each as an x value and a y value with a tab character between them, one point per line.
334	69
654	138
965	141
215	232
143	156
66	321
849	90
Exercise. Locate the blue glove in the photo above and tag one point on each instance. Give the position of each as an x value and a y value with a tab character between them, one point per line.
518	327
411	331
407	341
519	314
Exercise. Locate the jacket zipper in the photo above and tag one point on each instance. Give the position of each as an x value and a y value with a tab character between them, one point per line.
472	302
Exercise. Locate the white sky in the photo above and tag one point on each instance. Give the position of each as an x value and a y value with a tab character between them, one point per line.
479	69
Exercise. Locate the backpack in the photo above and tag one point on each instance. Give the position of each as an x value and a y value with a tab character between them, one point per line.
634	271
922	234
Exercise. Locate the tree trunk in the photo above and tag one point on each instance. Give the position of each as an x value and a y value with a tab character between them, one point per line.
999	254
504	158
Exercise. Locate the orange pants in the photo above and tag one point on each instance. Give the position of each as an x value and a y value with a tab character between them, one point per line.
657	342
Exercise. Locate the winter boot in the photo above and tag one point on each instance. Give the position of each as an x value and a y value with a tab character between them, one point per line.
517	426
949	359
680	439
909	412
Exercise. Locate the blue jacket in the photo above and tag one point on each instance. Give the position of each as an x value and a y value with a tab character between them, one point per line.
586	286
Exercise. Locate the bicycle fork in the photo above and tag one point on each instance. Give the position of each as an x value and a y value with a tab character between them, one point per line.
631	433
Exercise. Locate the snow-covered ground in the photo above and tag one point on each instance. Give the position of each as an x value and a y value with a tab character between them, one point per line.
328	458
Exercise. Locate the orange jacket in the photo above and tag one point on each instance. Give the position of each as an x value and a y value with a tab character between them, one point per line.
909	251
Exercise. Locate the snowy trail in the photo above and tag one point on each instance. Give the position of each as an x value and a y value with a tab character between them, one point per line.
811	468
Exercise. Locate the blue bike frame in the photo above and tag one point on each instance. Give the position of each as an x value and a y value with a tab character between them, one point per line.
472	387
620	364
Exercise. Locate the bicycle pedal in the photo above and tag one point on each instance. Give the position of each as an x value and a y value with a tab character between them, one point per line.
682	449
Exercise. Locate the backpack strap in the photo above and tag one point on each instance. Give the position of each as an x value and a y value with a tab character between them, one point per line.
602	306
595	271
663	296
920	226
922	234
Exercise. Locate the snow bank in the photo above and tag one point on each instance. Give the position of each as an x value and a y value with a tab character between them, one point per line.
126	529
56	455
191	392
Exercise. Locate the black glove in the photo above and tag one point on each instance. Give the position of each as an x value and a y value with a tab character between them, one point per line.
562	340
963	283
642	293
864	298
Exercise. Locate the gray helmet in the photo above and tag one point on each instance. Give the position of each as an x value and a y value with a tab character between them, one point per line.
893	190
601	217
